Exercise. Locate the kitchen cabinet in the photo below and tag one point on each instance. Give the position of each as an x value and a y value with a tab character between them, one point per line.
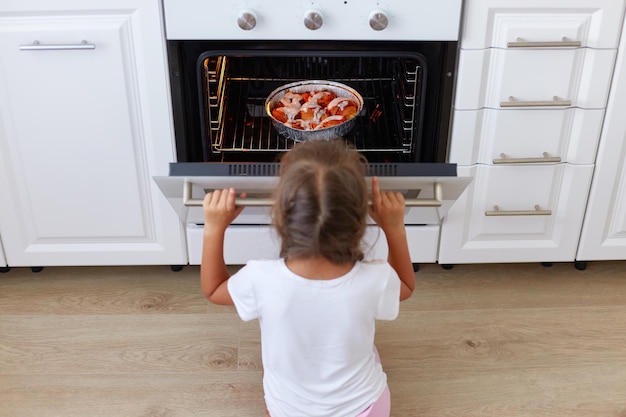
604	229
532	87
85	126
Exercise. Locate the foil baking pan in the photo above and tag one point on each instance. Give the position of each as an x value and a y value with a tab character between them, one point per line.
341	90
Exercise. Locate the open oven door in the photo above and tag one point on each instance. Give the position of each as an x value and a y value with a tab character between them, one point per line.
429	189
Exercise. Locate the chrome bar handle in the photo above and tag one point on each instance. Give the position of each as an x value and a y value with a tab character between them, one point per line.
564	43
189	201
436	201
536	212
555	102
541	160
36	46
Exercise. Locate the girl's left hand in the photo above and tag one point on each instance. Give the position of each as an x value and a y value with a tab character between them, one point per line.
220	209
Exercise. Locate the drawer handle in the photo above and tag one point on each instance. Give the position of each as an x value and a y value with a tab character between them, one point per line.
555	102
189	201
564	43
541	160
36	46
536	212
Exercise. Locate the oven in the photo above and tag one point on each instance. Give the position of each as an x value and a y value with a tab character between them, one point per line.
225	60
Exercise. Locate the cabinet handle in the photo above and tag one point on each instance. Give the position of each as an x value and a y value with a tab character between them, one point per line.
555	102
189	201
36	46
564	43
536	212
541	160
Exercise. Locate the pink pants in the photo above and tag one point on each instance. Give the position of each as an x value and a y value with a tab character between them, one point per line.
382	406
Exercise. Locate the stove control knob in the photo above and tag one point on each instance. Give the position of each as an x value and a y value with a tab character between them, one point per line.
247	20
378	20
313	19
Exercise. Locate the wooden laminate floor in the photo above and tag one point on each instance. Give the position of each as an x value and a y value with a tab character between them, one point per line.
478	340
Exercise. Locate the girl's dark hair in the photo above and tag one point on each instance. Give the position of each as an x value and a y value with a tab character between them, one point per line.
321	201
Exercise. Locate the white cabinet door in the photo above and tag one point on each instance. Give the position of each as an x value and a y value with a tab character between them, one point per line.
85	125
604	228
517	214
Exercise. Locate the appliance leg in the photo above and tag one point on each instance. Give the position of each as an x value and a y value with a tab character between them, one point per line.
416	267
36	268
547	264
176	268
4	269
580	265
447	267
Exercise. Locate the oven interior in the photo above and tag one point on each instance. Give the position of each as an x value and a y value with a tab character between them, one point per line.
219	97
234	89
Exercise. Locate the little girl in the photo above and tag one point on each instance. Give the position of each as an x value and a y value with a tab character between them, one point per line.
318	303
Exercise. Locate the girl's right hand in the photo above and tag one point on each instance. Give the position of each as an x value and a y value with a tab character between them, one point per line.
387	208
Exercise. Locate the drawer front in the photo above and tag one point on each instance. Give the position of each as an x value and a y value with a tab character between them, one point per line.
243	243
531	136
517	214
496	23
423	243
513	79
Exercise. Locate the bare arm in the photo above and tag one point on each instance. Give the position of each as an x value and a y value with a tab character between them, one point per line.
388	212
219	212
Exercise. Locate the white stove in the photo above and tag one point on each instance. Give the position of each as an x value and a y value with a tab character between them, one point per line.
226	57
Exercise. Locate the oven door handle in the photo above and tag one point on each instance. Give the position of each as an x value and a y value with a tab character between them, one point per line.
189	201
436	201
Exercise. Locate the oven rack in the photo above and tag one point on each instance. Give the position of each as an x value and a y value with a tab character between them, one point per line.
236	121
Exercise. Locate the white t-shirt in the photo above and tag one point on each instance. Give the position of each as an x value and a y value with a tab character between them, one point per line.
317	336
